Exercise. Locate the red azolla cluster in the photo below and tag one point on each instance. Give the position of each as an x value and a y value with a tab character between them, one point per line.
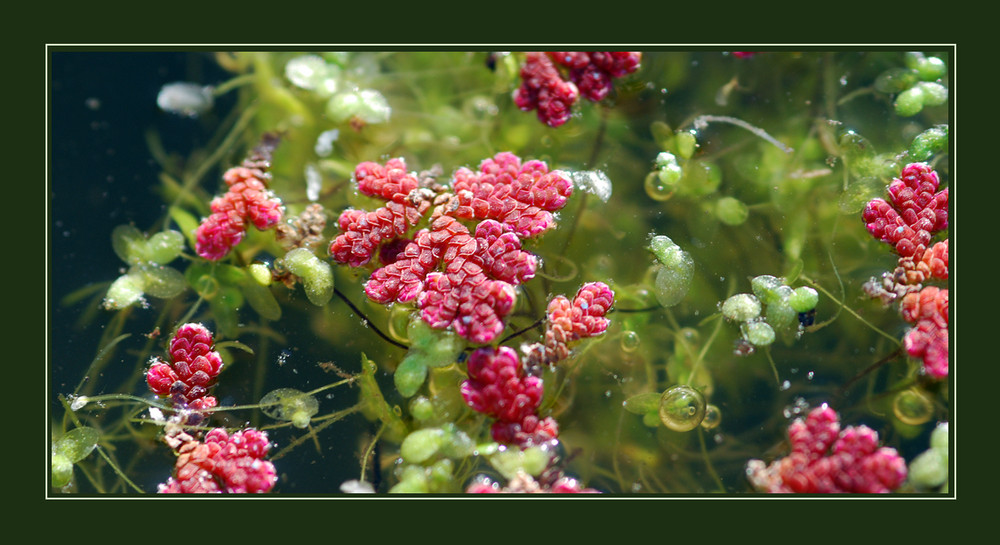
247	200
522	196
917	211
223	463
362	231
457	278
826	459
498	386
590	73
927	310
568	321
193	369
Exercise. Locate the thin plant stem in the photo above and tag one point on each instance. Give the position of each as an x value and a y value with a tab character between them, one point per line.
377	331
851	311
708	460
369	450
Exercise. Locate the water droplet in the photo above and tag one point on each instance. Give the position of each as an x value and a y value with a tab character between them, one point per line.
682	408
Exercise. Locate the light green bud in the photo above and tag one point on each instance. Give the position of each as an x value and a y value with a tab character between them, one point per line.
803	299
741	307
934	93
910	101
316	275
757	333
731	211
687	143
765	288
420	445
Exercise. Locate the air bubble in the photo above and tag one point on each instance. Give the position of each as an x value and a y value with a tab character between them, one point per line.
657	189
630	341
912	407
682	408
712	417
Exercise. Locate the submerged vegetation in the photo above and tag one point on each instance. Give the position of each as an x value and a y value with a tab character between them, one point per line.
658	272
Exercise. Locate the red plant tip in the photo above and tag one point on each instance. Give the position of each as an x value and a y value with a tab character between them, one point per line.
223	463
569	321
928	339
825	459
474	305
543	89
475	290
592	302
390	182
193	369
521	196
247	200
363	232
592	72
530	431
934	263
499	387
916	211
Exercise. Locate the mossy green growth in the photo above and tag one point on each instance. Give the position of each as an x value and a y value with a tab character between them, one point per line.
668	171
366	105
926	68
423	444
132	246
147	273
410	375
290	405
675	272
766	286
731	211
924	93
686	143
511	461
929	470
374	405
928	143
316	275
418	479
758	333
741	307
69	449
429	347
803	299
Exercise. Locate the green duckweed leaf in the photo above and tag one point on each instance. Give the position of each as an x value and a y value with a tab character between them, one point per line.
76	444
643	403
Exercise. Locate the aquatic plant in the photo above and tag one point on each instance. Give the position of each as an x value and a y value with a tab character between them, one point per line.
405	284
827	459
544	89
917	211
